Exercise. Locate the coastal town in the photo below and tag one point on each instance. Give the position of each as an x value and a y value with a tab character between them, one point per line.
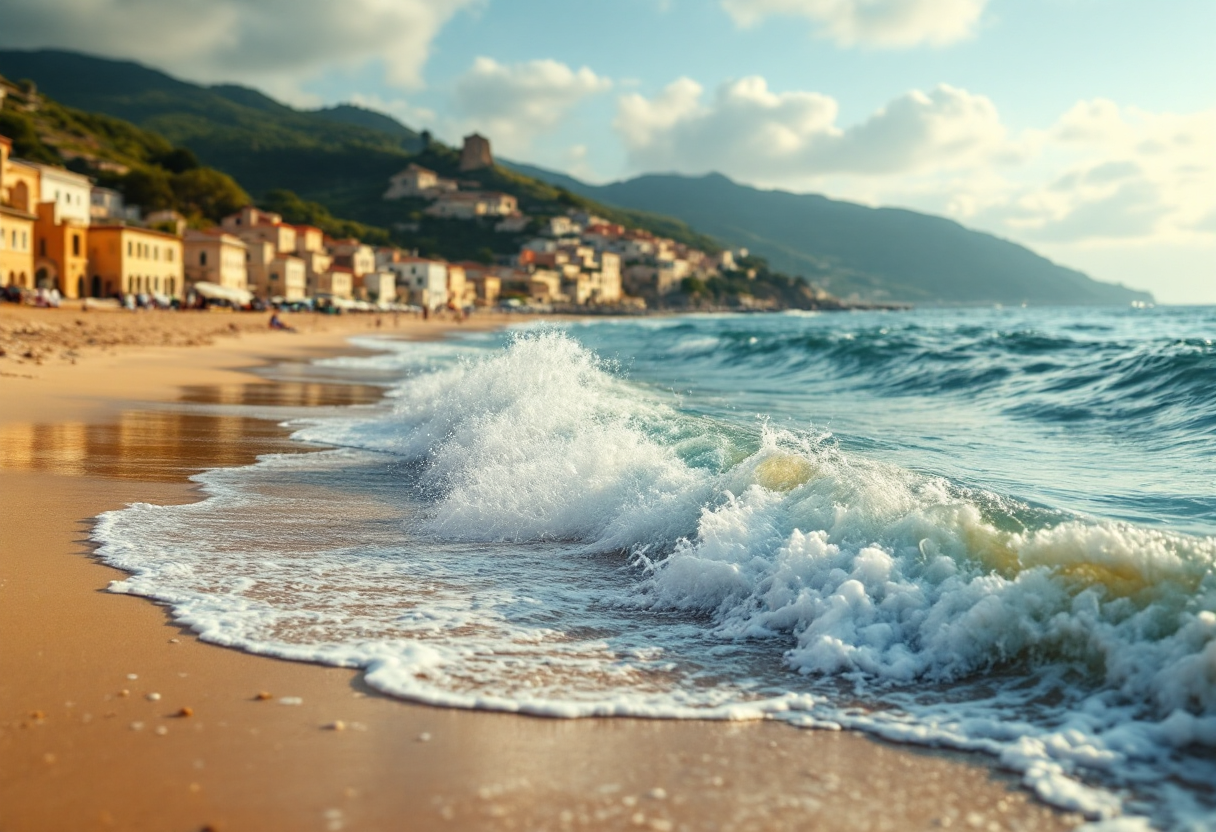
63	237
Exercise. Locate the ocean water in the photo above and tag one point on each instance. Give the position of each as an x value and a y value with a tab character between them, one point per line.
991	530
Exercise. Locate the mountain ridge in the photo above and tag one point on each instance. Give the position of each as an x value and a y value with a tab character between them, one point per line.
924	258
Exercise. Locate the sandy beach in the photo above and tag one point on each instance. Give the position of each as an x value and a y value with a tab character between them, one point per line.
112	717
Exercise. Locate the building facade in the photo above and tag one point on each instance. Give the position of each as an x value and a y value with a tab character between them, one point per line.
426	281
215	257
16	232
61	255
124	260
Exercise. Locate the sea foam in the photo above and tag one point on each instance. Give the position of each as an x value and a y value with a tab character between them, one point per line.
529	531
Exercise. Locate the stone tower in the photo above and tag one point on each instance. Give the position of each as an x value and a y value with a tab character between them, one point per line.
475	154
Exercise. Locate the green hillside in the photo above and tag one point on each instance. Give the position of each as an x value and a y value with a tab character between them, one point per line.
339	157
853	251
146	168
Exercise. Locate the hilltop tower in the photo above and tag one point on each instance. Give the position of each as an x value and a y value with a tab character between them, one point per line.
475	154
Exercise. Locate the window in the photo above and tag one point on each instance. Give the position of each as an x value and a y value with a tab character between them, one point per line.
130	249
202	258
42	248
75	245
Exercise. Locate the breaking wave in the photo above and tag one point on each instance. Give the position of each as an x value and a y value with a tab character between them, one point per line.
526	529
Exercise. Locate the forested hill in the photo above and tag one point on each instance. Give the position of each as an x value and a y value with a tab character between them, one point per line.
339	158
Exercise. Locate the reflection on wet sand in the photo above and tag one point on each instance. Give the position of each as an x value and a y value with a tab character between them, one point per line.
283	394
168	446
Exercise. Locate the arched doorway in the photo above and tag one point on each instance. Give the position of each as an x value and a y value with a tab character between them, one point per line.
46	275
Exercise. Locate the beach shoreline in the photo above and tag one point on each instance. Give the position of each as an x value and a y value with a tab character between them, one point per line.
77	752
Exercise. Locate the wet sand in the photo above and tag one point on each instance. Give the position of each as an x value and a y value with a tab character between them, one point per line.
82	746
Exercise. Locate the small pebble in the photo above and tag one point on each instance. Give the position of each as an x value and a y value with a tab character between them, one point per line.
137	726
263	696
132	676
336	725
161	730
291	700
124	692
657	794
153	697
37	715
424	737
186	711
173	641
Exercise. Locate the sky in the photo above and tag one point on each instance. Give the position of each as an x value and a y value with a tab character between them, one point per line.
1085	129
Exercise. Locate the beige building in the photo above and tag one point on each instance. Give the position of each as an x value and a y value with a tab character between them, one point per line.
274	275
309	238
124	259
469	205
380	287
417	181
359	258
254	225
338	281
215	257
16	231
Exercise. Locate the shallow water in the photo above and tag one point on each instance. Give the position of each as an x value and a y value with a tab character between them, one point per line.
985	529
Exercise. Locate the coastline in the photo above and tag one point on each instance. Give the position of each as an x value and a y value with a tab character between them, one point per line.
240	763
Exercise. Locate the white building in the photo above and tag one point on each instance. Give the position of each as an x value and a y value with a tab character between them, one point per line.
71	193
380	287
425	280
416	180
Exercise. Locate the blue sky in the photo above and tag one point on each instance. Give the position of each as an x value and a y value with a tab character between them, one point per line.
1085	129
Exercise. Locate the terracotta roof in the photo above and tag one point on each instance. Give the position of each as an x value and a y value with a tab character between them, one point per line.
117	226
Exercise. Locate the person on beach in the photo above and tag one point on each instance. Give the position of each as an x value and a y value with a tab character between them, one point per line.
277	323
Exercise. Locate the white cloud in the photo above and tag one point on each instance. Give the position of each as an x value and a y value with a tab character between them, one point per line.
1111	173
871	23
515	104
1100	175
275	44
755	133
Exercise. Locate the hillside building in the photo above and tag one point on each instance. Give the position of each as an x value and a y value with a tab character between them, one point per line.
475	154
417	181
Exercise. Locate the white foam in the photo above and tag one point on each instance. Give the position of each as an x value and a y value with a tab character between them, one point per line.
528	532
